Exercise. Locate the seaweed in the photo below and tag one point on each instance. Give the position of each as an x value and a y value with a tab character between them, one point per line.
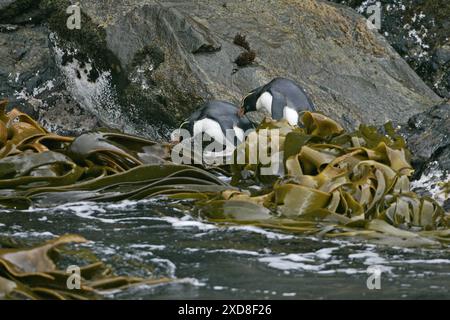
331	183
248	56
241	40
32	273
354	181
245	58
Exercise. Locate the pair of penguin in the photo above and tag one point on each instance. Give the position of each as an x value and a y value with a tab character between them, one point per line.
281	97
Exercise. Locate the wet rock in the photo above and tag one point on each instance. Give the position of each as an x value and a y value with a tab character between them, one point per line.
428	138
418	30
196	42
5	3
143	66
30	80
446	205
21	12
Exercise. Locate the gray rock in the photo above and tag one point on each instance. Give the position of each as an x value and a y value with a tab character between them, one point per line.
144	65
446	205
5	3
418	30
442	55
31	81
428	138
351	73
20	11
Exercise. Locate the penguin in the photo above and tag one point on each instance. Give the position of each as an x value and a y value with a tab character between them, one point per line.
281	97
215	118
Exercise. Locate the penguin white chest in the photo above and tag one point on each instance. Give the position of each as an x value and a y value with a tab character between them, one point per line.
211	127
265	102
290	115
239	133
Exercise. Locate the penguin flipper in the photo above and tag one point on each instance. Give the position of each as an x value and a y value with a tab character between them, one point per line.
278	104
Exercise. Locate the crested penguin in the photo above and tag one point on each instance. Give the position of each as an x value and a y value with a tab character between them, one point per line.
281	97
216	117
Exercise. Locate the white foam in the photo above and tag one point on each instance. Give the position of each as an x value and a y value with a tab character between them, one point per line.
219	288
33	234
107	251
85	210
167	264
325	253
236	251
431	182
125	204
292	262
148	246
318	261
192	281
289	294
371	258
267	234
420	261
185	223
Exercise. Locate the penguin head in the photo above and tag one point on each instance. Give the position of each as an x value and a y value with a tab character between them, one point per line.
248	104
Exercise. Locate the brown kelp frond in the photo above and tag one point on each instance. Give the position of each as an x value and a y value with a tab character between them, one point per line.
33	274
19	132
445	188
245	58
332	174
241	40
36	166
327	181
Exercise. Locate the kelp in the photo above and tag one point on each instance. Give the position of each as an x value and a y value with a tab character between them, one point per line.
32	273
445	188
329	182
244	209
38	168
360	175
334	183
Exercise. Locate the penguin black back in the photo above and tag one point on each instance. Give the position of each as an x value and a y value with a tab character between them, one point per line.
222	112
284	93
215	118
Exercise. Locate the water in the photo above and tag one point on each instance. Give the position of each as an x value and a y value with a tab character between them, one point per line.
237	262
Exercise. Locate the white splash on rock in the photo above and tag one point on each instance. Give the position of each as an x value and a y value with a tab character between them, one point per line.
98	97
432	182
167	265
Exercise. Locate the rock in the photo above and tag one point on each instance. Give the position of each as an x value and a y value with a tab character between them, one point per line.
30	80
5	3
418	30
446	205
20	11
143	66
428	138
442	55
